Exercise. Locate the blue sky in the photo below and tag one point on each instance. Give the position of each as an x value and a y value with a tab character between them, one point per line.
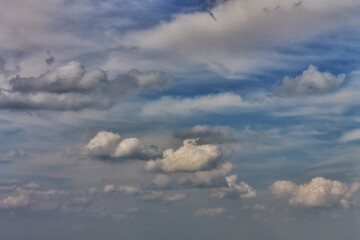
224	119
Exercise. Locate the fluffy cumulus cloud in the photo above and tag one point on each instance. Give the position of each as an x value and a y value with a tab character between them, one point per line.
109	145
130	190
353	135
319	192
211	178
206	134
71	87
190	157
209	212
310	81
234	190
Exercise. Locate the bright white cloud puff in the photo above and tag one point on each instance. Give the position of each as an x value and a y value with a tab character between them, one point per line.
109	145
190	157
319	192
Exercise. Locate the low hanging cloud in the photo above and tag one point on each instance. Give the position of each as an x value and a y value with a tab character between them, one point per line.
190	157
209	212
71	87
310	81
211	178
353	135
109	145
206	134
234	190
319	192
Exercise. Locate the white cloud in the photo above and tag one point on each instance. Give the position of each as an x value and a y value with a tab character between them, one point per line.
209	212
319	192
109	188
109	145
310	81
190	157
350	136
234	190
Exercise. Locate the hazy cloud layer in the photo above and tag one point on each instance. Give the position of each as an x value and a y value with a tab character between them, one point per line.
198	179
319	192
109	145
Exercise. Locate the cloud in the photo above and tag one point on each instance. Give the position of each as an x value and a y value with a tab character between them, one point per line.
310	81
71	87
175	198
209	212
211	178
243	38
16	154
234	191
15	195
188	106
109	145
19	201
350	136
319	192
206	134
130	190
190	157
109	188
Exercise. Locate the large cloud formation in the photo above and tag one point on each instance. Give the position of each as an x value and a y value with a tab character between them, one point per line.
71	87
188	158
310	81
319	192
109	145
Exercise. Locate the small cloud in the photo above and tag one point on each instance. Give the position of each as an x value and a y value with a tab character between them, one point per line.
234	190
309	82
175	198
109	145
109	188
353	135
209	212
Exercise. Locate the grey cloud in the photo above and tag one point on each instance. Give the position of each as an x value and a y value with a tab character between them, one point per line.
209	212
234	190
199	179
310	81
71	87
206	134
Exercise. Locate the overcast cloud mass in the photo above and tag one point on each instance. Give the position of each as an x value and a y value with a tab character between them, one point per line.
179	119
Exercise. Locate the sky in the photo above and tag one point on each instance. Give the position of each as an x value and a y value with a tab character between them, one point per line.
203	119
